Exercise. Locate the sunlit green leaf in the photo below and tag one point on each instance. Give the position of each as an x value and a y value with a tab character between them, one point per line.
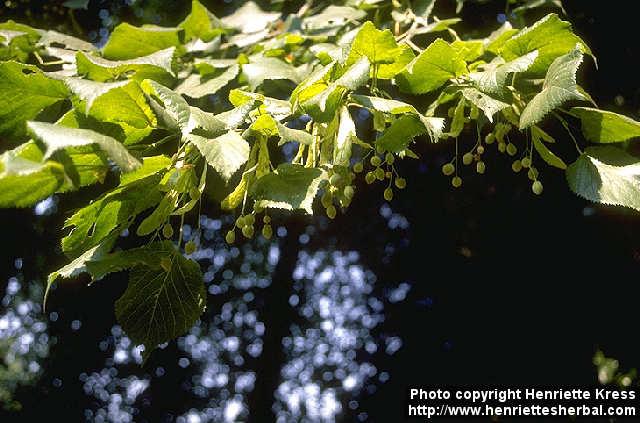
249	18
226	153
490	106
25	93
559	86
264	68
56	137
606	175
331	19
431	69
174	104
381	49
399	135
25	179
550	36
111	212
493	78
118	102
290	187
495	41
603	127
156	66
128	41
201	23
196	86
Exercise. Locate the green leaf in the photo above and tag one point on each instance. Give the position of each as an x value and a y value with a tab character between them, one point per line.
249	18
206	124
79	264
8	35
390	70
550	36
196	86
128	42
490	106
271	68
160	214
278	109
547	155
495	41
17	41
606	175
150	255
290	187
25	179
331	19
439	26
113	212
161	302
150	166
175	105
267	126
320	98
376	105
120	102
384	105
438	63
56	137
201	23
493	78
400	133
604	127
469	50
209	67
559	86
381	49
52	38
156	66
226	153
236	116
25	93
293	135
176	182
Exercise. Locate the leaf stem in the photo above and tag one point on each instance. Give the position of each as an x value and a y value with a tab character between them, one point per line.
565	125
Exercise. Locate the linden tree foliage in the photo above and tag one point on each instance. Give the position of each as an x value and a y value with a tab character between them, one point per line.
199	111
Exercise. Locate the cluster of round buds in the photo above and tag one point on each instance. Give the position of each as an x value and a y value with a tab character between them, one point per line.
475	155
246	224
449	169
383	169
499	133
338	189
532	173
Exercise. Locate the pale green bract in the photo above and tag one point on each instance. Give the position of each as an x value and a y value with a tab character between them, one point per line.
265	111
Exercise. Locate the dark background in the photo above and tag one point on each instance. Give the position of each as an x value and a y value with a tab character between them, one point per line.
507	288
